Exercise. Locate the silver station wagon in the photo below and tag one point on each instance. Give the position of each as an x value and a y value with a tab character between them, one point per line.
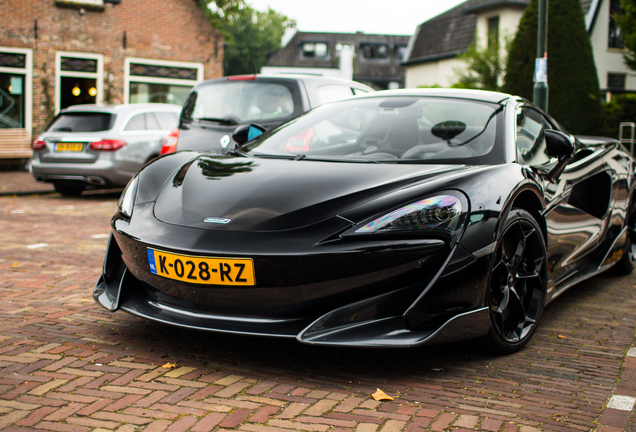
100	146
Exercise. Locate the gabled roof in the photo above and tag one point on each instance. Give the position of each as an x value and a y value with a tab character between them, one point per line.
451	32
378	70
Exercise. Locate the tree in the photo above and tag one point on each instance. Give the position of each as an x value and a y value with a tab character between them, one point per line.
251	37
219	11
573	83
626	21
484	68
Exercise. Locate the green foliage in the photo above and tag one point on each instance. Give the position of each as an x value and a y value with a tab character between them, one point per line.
573	84
626	21
484	68
622	108
252	36
219	11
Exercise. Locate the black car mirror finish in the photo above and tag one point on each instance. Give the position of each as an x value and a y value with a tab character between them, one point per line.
247	132
561	146
303	217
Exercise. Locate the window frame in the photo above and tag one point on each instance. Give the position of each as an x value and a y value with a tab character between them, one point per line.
306	42
128	78
27	71
59	73
362	45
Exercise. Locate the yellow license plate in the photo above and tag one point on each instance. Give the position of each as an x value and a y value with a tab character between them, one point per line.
202	270
68	147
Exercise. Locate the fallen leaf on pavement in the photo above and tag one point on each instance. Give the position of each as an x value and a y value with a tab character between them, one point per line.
169	366
379	395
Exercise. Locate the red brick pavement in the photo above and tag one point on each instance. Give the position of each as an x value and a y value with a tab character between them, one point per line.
68	365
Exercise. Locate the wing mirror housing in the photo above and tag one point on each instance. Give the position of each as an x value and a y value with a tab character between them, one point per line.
561	146
247	132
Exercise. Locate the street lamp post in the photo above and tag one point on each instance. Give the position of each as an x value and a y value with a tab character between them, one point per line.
540	90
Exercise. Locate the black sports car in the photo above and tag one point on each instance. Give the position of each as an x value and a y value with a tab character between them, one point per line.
399	218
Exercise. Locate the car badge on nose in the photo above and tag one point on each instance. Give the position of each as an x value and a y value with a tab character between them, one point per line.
217	220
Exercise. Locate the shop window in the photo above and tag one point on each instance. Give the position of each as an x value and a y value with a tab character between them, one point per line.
374	51
14	83
155	81
317	50
79	78
615	81
614	37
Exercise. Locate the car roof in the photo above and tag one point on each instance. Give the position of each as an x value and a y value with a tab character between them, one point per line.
478	95
296	77
122	108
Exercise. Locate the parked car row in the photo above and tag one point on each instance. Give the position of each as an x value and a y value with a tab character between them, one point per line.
104	146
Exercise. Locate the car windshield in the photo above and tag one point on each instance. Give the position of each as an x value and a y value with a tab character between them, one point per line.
237	102
81	122
385	129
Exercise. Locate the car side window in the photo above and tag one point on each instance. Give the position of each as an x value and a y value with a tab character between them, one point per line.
531	147
167	120
333	92
136	123
151	122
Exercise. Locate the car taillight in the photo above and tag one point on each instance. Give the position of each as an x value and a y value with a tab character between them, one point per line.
38	144
108	145
170	142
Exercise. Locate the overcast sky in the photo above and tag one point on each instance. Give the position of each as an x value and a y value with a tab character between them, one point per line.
399	17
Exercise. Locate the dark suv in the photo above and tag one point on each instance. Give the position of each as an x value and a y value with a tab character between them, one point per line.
216	107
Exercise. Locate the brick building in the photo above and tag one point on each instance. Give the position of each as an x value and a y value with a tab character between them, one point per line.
57	53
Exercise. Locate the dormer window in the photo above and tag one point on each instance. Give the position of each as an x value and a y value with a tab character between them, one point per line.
400	52
317	50
374	51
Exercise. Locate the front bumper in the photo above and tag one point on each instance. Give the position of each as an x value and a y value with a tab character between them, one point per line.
391	295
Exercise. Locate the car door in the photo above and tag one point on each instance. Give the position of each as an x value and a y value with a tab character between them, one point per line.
578	201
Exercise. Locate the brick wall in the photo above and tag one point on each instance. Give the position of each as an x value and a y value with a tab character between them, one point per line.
171	30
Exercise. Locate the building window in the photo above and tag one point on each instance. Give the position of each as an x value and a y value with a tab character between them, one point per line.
156	81
493	32
614	37
79	79
400	52
16	95
374	51
12	60
615	81
318	50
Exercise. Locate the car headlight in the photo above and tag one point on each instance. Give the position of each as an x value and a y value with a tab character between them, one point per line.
127	199
438	212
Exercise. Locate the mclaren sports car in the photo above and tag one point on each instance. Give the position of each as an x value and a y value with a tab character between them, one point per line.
395	219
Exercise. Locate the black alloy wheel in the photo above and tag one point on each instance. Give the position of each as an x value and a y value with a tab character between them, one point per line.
517	283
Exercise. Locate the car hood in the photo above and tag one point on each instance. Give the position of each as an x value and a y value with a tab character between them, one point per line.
235	193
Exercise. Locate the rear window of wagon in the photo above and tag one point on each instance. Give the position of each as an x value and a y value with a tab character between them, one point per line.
82	122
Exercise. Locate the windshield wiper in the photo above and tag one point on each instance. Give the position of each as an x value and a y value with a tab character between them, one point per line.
224	121
63	129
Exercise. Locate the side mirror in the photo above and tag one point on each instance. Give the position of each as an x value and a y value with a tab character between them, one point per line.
558	144
561	146
245	133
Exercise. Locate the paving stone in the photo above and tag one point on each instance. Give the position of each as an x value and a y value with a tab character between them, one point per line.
62	357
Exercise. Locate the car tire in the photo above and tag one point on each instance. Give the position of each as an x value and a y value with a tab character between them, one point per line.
69	189
516	283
